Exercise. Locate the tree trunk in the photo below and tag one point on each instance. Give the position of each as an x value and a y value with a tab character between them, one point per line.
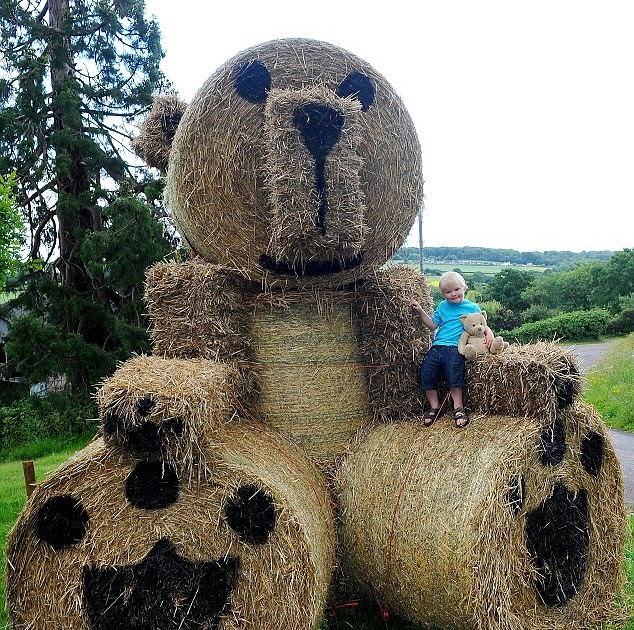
74	214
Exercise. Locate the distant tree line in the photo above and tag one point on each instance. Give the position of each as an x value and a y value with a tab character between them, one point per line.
552	259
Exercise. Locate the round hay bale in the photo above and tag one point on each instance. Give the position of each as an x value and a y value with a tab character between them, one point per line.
297	165
472	529
170	409
108	541
302	356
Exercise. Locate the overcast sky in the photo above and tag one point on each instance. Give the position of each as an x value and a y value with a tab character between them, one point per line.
524	110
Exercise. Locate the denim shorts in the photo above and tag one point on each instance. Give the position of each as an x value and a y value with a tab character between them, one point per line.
442	361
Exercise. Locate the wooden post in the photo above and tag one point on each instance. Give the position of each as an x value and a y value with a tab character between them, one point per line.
29	477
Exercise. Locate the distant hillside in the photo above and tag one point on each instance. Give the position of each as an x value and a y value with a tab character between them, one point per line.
555	260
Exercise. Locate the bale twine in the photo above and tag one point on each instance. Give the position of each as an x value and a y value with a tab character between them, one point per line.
153	144
172	409
309	369
222	156
109	541
393	341
527	380
471	529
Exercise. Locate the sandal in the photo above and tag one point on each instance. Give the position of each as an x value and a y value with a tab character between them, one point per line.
460	417
430	417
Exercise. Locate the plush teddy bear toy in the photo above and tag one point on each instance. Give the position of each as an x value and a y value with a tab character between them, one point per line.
471	343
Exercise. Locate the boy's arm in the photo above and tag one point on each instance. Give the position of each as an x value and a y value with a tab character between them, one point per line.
425	318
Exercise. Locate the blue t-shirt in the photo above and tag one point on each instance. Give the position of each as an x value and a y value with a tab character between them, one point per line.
447	316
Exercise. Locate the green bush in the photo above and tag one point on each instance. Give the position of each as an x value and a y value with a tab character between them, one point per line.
38	418
623	323
575	326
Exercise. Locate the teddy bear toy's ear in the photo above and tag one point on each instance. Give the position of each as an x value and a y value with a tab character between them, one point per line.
154	142
484	314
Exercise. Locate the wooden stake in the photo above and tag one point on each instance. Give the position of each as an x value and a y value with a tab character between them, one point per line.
29	477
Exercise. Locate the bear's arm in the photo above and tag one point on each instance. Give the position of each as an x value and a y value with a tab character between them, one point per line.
393	340
197	310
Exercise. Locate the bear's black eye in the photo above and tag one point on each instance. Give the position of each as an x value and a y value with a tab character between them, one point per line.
251	514
359	86
252	81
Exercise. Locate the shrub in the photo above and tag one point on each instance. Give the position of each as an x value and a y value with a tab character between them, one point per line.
622	324
576	326
40	417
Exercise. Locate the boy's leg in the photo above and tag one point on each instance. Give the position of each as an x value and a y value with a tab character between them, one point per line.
456	397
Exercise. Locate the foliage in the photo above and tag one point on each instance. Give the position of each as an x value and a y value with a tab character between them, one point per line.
576	326
11	228
623	323
609	386
75	78
556	260
36	418
507	287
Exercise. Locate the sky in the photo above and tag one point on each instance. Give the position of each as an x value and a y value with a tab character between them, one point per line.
524	110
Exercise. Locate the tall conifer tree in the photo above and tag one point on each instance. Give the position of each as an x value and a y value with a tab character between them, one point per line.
75	75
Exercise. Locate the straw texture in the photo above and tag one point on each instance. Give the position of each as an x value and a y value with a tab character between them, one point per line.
527	380
471	529
154	142
250	548
172	409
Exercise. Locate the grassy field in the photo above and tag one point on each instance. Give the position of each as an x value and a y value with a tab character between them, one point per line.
609	389
467	269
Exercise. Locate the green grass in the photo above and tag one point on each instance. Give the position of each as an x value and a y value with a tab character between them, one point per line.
610	388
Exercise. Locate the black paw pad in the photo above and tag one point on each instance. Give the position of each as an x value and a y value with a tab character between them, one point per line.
553	444
61	522
152	485
517	493
145	406
164	590
251	514
567	388
111	424
592	447
558	542
143	438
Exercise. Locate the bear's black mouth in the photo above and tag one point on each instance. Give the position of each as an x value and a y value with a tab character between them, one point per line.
311	268
164	590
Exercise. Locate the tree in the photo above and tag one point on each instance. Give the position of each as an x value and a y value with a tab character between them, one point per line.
11	229
507	287
75	77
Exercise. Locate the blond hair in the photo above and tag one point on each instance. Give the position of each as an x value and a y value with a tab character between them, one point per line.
451	278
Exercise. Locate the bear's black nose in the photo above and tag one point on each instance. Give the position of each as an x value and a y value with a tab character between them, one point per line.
320	126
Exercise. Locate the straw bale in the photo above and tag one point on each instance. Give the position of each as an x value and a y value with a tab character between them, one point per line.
153	144
393	342
250	548
221	185
528	380
470	529
310	372
170	408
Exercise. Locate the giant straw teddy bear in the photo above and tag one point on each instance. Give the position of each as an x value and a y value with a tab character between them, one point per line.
281	401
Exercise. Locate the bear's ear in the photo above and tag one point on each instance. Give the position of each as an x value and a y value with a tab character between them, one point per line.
154	142
463	318
484	314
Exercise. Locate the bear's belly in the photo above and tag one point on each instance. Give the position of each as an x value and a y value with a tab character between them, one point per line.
310	372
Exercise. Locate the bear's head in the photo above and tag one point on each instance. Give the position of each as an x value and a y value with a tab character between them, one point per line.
296	164
474	323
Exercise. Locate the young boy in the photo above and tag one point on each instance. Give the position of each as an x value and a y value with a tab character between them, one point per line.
443	357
